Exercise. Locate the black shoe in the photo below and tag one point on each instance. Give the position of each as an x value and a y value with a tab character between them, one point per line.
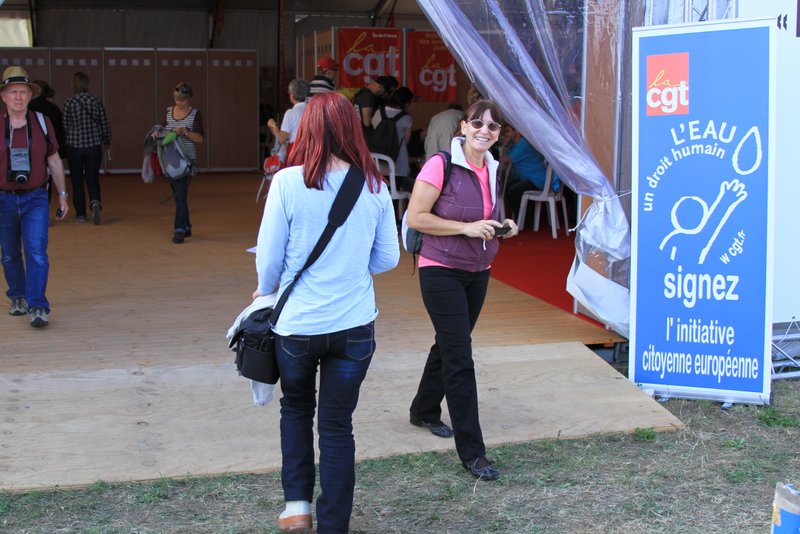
188	232
96	218
481	468
178	237
438	429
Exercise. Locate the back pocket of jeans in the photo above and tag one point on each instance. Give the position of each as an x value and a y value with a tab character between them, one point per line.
361	342
295	346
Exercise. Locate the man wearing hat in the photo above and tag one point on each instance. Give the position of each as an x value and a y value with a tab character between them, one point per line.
26	155
369	99
325	79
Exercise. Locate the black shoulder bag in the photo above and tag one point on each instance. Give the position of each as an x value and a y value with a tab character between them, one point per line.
254	343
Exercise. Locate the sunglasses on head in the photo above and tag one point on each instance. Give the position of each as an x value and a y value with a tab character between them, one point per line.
478	124
182	89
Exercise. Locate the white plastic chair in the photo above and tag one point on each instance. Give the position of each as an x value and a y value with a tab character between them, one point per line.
386	166
548	196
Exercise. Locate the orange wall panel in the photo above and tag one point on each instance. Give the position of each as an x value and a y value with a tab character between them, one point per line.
130	102
232	116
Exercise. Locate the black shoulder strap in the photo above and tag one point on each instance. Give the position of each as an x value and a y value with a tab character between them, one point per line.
448	166
398	116
342	206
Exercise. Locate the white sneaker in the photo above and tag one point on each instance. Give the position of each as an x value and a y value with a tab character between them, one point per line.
38	317
19	306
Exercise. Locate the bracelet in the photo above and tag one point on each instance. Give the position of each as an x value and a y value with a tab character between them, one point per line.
63	194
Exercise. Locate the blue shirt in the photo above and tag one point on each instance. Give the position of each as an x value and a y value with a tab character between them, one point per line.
336	292
529	164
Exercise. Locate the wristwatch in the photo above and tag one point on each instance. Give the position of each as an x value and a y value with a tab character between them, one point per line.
63	194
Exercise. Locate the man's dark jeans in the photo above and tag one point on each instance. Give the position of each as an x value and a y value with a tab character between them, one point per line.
84	167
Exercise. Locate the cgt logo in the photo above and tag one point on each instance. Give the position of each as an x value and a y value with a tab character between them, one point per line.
668	84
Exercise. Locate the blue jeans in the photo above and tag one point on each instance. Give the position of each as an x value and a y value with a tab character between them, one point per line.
343	359
23	227
180	190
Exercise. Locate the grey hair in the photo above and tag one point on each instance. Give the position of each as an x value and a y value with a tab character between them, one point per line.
300	89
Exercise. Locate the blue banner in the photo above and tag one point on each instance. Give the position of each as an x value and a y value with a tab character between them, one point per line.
699	275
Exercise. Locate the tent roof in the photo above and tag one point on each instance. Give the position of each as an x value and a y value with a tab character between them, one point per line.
376	7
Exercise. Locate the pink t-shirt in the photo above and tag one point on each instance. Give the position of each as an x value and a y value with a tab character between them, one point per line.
433	173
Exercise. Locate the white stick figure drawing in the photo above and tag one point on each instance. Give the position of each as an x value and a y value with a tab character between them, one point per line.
731	193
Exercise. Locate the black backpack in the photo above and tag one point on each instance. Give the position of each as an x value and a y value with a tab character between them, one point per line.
383	138
411	238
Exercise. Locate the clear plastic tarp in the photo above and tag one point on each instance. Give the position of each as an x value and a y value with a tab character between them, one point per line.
514	53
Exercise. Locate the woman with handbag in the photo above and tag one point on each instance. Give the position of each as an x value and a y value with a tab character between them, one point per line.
327	322
459	217
186	121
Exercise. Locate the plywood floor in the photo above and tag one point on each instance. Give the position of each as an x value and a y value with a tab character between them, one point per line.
133	379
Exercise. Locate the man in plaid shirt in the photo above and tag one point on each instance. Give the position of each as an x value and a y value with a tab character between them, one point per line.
87	130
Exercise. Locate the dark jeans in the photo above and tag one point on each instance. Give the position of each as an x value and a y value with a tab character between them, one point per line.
343	359
84	167
454	299
180	190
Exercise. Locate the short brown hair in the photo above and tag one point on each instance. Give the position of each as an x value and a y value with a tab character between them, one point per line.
80	82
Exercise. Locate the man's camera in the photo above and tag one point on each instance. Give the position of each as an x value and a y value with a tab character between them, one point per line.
18	177
19	169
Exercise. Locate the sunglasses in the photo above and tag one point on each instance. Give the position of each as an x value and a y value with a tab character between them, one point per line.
478	124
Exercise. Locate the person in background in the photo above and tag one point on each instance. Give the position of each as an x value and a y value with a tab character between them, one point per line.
368	99
327	324
287	133
325	79
473	94
528	170
185	120
460	223
442	128
27	156
44	104
398	103
87	133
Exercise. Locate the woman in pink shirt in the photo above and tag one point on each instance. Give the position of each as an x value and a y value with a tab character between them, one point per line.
460	219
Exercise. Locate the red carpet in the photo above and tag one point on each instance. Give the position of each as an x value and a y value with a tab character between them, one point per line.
537	264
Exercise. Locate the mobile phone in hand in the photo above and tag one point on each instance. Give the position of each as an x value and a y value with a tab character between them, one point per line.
503	230
59	213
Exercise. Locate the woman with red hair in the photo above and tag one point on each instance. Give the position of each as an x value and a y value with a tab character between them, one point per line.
328	320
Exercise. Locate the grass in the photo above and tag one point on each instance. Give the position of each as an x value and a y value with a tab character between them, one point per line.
717	475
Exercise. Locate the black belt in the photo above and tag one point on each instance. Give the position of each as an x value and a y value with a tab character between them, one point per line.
20	191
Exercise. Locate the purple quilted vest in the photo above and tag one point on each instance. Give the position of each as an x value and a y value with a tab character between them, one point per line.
461	200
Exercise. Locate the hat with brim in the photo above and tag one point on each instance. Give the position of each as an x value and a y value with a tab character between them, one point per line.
17	75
